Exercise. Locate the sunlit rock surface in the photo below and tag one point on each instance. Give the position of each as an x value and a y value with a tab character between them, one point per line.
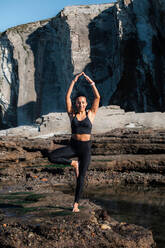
107	119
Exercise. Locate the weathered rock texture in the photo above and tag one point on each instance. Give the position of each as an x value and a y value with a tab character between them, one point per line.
120	156
92	228
87	230
107	119
120	45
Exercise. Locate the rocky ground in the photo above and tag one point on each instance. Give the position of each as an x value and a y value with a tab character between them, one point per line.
59	227
127	156
34	212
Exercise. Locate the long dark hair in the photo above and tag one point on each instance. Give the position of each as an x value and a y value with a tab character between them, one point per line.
80	95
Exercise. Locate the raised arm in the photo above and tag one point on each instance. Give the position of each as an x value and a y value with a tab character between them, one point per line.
96	101
68	95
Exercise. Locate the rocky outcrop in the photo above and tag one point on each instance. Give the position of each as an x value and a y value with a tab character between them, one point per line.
141	84
120	45
9	84
92	228
107	119
30	186
120	156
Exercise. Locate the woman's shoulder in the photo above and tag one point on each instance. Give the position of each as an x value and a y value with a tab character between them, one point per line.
71	115
88	112
91	115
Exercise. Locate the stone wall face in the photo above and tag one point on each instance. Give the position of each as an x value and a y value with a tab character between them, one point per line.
141	86
9	84
120	46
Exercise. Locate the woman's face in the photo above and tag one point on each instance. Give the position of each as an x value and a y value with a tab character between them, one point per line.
81	103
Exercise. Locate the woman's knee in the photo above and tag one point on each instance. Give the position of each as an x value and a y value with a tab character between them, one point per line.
52	157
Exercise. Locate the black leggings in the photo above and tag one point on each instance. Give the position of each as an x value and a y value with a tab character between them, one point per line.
80	149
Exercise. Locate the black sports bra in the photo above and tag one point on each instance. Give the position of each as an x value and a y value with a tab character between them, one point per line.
81	127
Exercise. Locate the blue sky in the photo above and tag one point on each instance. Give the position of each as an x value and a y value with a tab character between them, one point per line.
16	12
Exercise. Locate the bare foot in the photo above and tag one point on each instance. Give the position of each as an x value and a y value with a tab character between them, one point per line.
75	208
75	164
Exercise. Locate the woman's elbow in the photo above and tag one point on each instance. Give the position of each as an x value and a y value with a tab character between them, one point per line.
98	97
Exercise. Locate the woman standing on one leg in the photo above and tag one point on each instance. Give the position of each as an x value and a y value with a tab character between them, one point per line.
80	144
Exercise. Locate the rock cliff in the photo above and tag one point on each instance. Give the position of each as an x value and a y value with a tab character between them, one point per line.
119	45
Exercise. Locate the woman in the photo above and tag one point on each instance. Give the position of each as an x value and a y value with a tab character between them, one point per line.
80	144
